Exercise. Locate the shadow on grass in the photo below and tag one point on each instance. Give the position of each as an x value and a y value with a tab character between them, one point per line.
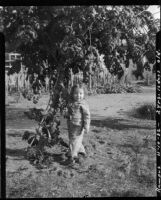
15	153
47	157
147	180
129	193
60	158
16	109
14	113
118	124
145	111
14	134
56	157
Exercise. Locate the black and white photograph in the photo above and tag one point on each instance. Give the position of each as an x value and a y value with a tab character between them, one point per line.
80	100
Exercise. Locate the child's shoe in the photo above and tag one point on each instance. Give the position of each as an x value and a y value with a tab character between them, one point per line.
71	161
83	154
76	159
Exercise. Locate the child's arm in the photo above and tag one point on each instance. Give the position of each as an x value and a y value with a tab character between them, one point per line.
86	117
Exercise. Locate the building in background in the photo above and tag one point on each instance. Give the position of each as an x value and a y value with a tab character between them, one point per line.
10	58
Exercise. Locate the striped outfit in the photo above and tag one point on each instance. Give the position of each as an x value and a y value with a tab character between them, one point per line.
78	122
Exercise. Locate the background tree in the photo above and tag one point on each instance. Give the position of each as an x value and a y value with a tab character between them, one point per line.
39	31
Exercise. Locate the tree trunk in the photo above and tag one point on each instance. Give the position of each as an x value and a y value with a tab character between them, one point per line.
56	91
6	88
90	69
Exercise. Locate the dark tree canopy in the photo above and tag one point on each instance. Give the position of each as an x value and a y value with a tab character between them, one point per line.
64	35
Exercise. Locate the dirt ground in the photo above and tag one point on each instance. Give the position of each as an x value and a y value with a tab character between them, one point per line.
121	152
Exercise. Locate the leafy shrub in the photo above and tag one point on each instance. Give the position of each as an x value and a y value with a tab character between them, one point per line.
34	113
146	111
115	88
47	135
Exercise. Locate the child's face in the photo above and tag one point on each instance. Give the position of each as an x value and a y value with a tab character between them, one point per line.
78	94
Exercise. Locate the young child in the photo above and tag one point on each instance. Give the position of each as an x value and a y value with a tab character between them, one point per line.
78	121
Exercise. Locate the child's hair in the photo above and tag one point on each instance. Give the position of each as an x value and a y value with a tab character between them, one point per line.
77	86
